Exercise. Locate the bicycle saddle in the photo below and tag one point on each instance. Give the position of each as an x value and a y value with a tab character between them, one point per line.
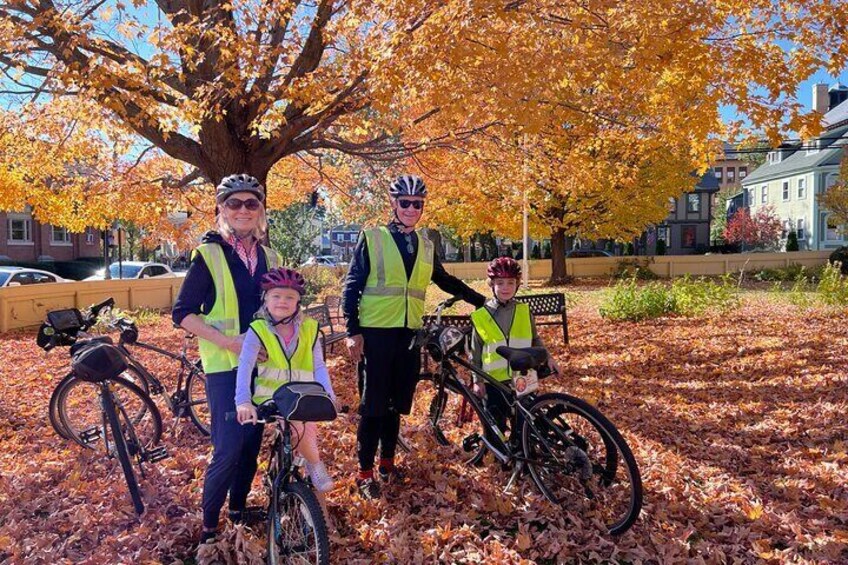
525	358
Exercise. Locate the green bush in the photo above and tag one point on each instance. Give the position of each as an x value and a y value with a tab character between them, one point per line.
833	286
630	302
792	241
661	247
321	281
790	273
802	292
840	255
628	249
628	268
696	297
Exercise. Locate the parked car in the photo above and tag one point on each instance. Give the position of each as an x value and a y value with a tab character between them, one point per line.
581	253
134	270
323	261
20	276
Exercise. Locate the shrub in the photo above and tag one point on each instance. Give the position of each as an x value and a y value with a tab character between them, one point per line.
833	287
792	241
321	281
661	247
628	249
630	302
840	255
628	268
695	297
790	273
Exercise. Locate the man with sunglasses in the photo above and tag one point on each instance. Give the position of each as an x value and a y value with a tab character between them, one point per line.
217	302
383	303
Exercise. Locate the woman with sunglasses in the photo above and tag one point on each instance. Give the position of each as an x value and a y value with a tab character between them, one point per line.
384	292
217	302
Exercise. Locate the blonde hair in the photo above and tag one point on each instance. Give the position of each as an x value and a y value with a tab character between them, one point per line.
259	232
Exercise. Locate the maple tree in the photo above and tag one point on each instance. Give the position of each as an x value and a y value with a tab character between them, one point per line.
599	107
762	230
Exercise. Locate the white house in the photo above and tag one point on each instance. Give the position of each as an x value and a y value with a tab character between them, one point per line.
794	174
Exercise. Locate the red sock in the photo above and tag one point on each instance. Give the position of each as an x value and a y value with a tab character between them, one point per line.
387	464
367	474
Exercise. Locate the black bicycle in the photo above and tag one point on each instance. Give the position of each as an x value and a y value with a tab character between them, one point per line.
124	435
297	528
71	403
574	454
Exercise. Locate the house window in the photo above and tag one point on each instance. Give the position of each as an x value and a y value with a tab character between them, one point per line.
693	203
19	230
672	205
802	188
831	232
662	234
800	230
718	173
59	235
786	190
743	172
90	238
688	236
764	197
731	174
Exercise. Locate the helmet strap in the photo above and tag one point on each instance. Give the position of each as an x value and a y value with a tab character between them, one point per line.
287	319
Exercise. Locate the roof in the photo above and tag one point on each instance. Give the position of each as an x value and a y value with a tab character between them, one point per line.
800	161
708	182
836	116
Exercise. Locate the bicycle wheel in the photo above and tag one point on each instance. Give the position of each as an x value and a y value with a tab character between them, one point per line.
455	422
297	531
80	414
198	407
124	450
574	455
53	409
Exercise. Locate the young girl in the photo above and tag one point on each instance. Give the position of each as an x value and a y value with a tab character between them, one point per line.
293	353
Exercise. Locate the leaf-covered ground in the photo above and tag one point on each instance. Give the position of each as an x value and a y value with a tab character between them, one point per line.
738	424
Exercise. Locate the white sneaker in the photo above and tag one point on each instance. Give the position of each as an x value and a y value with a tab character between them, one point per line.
321	479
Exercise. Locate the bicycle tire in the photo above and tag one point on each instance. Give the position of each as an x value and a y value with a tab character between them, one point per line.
53	408
145	410
121	450
280	516
198	408
615	451
454	418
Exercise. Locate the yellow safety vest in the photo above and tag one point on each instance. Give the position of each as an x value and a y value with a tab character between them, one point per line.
520	335
224	315
279	369
389	299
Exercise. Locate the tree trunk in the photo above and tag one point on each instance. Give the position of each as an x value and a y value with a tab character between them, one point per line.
558	275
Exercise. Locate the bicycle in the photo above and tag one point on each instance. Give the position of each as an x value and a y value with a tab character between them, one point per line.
70	416
101	363
572	451
297	528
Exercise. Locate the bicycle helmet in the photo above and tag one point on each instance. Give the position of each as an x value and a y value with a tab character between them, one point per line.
239	183
504	268
408	185
283	277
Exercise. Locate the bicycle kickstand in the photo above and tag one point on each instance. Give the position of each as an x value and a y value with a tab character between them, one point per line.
516	472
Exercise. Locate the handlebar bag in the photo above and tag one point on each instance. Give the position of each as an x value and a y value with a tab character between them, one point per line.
69	320
304	402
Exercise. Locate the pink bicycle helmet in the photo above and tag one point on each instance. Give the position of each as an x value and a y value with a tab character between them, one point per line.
283	277
504	268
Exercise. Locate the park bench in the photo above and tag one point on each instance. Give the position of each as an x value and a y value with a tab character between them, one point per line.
334	304
329	335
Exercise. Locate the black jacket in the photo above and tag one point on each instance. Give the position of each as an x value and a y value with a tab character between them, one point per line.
360	267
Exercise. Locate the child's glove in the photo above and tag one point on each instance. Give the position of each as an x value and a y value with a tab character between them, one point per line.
246	414
479	389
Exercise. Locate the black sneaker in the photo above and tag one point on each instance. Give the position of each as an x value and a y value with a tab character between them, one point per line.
396	475
369	489
249	516
208	537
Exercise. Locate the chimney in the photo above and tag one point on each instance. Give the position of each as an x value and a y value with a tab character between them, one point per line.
821	99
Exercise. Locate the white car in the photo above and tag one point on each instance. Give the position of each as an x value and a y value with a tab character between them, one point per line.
323	261
134	270
20	276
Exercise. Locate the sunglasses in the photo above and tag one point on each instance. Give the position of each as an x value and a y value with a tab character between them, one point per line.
251	204
417	204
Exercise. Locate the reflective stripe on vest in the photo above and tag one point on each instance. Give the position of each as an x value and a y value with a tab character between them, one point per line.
224	314
279	369
389	299
520	335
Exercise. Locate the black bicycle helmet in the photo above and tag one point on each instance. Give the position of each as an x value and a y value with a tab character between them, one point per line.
408	185
239	183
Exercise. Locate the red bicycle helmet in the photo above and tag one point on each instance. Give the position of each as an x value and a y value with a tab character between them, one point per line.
504	268
283	277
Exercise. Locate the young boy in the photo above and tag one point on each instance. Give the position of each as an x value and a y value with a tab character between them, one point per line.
501	321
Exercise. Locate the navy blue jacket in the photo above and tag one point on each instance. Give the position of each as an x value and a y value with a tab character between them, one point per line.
197	295
360	267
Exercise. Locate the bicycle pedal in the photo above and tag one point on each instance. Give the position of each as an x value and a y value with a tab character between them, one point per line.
156	454
90	435
471	442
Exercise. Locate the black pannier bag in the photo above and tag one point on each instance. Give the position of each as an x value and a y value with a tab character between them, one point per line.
97	361
304	402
